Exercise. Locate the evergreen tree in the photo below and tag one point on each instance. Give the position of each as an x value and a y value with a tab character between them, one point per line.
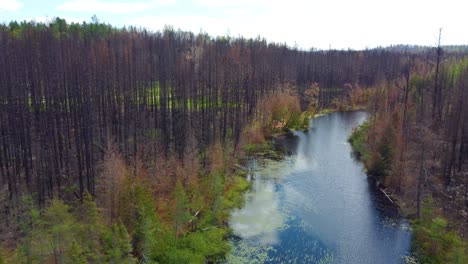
27	220
75	254
146	230
54	232
117	246
182	215
89	229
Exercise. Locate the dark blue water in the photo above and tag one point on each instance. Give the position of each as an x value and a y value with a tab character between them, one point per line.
317	205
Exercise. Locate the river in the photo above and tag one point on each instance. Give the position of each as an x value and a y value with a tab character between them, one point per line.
317	205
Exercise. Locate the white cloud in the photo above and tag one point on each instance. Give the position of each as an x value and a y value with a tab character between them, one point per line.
10	5
362	23
111	7
310	23
194	23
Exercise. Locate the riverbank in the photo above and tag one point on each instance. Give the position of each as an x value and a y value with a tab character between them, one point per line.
344	108
432	242
316	204
185	223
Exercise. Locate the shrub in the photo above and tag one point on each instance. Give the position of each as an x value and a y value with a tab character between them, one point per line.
358	141
434	242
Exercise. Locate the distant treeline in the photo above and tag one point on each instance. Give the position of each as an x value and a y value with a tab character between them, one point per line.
69	91
453	50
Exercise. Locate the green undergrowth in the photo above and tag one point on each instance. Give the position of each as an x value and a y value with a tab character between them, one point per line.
76	233
434	242
263	150
233	197
378	161
298	121
64	233
207	241
358	141
200	230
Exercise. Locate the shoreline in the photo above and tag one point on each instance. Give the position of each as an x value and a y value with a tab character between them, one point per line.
423	228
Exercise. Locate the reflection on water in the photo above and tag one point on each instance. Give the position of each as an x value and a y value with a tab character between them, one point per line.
317	205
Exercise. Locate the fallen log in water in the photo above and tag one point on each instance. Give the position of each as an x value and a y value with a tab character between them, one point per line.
386	195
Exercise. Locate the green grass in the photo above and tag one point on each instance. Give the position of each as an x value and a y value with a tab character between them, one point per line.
146	97
233	197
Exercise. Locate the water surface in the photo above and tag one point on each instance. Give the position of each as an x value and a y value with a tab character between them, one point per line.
317	205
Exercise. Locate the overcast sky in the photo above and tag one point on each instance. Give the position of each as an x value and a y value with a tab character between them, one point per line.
338	24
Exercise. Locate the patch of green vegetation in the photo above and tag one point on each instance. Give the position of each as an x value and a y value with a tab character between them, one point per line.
233	197
76	233
153	96
378	162
357	107
210	244
69	235
358	141
202	238
253	148
203	246
324	111
380	165
433	241
263	150
298	121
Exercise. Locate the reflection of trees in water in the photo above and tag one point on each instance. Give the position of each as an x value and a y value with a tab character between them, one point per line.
385	209
287	144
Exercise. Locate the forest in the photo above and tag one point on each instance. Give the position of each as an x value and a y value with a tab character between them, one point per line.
122	145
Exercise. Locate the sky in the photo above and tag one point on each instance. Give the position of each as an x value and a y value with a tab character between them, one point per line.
321	24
